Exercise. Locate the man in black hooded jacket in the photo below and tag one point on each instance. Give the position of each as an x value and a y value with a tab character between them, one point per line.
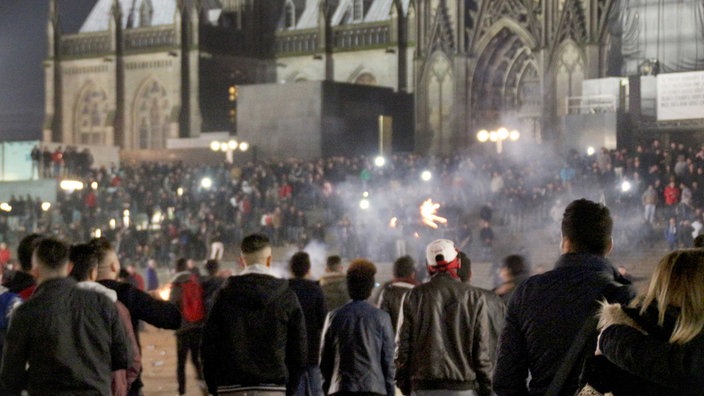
254	340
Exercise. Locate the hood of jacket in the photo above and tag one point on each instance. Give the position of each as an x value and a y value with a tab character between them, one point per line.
646	323
254	290
98	288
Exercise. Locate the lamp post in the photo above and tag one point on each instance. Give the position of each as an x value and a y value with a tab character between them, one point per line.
229	148
498	136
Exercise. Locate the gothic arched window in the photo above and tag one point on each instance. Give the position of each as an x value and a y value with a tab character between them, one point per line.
357	10
91	116
290	15
151	116
146	11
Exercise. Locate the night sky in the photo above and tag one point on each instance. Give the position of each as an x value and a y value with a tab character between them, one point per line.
22	50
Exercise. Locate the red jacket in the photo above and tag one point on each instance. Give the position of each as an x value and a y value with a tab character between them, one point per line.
672	195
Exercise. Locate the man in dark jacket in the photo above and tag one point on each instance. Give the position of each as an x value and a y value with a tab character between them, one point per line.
496	309
310	296
333	283
22	282
358	341
254	339
70	338
547	311
142	306
443	335
392	293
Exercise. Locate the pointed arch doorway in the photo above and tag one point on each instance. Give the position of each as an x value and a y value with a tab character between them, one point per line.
506	85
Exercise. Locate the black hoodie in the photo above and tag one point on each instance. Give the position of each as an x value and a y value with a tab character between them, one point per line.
254	335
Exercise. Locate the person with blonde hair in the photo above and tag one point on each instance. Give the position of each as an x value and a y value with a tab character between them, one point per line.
657	342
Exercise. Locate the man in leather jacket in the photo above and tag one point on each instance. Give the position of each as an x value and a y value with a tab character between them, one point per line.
443	336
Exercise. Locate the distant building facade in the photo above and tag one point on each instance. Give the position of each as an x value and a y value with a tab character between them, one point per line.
140	72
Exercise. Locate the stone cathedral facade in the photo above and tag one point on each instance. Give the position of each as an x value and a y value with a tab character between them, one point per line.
142	71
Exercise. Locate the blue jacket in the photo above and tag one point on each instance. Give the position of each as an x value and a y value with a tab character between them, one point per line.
543	318
358	350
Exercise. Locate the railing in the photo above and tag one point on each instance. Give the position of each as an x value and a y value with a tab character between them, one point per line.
85	44
353	36
344	37
151	37
591	104
296	41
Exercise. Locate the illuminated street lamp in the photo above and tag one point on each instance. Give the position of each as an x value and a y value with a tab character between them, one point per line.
229	147
498	136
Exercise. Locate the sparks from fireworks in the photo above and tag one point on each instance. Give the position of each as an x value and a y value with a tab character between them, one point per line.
428	213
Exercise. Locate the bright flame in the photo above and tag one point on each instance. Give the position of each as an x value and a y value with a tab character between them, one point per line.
5	207
165	292
428	212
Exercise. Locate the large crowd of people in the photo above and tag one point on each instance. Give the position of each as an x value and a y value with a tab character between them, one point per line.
71	323
428	331
165	210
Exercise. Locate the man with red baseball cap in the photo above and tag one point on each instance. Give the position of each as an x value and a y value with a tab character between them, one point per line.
443	336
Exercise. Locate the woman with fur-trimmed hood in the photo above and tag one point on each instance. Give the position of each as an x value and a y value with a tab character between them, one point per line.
655	346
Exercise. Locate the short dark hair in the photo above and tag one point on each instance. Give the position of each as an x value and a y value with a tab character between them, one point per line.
181	264
101	248
299	264
360	279
404	267
333	262
25	250
465	270
588	226
51	253
516	264
84	259
212	266
253	243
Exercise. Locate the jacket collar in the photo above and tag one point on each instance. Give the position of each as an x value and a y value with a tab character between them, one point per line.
260	269
55	283
591	262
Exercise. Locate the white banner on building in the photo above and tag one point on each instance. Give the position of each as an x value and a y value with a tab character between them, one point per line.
680	96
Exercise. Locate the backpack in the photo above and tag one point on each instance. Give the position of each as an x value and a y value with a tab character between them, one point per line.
192	307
